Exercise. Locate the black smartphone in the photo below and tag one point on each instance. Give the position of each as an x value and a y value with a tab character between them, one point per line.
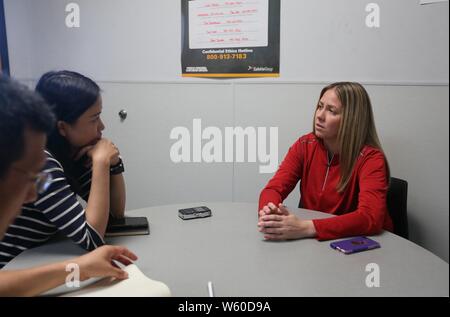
194	212
127	226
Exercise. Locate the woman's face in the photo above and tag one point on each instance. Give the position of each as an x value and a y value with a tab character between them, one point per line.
87	130
328	117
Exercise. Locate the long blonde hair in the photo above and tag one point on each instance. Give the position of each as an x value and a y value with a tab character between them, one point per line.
356	129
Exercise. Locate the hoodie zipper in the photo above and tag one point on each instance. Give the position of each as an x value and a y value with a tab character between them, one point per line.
328	169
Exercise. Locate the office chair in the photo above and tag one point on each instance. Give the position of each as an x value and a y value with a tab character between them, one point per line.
397	205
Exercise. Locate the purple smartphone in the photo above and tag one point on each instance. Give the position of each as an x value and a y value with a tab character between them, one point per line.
356	244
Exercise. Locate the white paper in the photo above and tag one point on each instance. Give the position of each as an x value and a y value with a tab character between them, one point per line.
137	285
224	23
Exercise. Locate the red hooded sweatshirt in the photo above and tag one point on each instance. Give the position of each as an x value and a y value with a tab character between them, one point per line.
361	207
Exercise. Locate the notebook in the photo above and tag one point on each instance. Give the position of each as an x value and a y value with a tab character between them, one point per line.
137	285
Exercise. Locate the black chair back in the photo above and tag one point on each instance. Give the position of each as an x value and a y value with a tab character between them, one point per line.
396	201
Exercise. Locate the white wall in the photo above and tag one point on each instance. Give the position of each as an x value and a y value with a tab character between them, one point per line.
321	40
133	50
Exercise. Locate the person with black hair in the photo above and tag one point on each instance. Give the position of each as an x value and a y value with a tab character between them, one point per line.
23	116
25	119
80	162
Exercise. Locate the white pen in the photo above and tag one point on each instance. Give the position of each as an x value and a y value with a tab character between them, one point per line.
210	289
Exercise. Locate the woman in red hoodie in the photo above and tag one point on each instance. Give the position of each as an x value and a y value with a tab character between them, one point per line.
342	171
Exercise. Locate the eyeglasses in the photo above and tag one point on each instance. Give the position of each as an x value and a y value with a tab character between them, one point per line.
41	180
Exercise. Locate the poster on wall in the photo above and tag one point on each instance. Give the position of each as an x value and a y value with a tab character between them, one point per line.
223	38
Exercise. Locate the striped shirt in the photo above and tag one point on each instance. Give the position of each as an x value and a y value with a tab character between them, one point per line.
55	210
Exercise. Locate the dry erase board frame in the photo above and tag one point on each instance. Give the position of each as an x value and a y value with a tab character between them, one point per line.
4	61
233	61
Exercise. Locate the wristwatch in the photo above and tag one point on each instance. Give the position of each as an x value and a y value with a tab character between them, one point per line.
117	169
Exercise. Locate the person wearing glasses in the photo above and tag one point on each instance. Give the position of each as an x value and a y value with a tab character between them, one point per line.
342	170
25	119
79	162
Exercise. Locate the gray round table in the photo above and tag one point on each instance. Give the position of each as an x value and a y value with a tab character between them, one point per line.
228	250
